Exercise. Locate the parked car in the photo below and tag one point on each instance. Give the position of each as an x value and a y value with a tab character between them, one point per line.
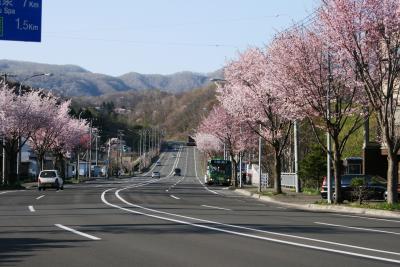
375	187
177	172
155	175
158	163
398	192
50	179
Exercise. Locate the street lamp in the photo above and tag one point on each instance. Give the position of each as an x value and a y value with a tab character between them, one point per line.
19	139
30	77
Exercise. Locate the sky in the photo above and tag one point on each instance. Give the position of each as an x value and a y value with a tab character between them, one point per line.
154	36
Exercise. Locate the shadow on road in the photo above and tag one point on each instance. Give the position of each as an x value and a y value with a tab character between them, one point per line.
14	250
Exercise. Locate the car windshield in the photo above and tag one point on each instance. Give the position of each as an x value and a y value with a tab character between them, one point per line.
48	174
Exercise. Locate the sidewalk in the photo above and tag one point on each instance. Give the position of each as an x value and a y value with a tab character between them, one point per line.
307	202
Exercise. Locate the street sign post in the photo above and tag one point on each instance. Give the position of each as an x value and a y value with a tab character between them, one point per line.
21	20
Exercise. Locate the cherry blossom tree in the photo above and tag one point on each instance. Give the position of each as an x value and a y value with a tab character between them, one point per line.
229	130
367	36
314	78
249	95
208	143
69	140
22	116
57	122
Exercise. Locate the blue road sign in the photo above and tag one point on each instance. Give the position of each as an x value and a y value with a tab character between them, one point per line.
21	20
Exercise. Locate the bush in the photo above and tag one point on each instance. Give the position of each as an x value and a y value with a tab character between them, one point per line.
313	167
360	190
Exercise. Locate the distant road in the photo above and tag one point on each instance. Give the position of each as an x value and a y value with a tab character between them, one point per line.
178	221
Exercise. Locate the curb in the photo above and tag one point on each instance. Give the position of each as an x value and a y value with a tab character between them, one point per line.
322	208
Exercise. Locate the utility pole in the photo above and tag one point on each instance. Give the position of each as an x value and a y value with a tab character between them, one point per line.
296	156
119	161
140	150
144	147
328	137
240	163
259	159
97	156
224	151
90	149
5	75
149	140
108	158
4	162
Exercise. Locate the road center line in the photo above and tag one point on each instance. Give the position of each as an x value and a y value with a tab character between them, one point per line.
214	207
77	232
242	227
367	218
40	197
343	252
31	208
174	197
358	228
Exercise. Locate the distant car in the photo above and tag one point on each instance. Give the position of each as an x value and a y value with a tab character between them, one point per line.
158	163
50	179
155	175
177	172
375	185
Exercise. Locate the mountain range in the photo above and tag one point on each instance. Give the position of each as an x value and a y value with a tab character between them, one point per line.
71	80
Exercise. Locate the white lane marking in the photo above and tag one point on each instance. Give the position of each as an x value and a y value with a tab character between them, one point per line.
174	197
154	165
368	218
358	228
5	192
31	208
255	236
214	207
195	170
248	228
77	232
40	197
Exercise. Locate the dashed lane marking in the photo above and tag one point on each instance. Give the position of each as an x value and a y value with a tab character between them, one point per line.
77	232
214	207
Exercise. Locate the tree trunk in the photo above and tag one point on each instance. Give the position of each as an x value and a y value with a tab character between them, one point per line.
337	171
277	171
40	158
11	166
392	181
234	172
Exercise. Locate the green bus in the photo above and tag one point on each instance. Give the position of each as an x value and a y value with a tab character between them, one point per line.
219	171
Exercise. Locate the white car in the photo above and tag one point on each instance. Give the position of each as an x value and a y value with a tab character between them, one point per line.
50	178
155	175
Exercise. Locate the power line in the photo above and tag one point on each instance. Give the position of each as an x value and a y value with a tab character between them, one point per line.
177	25
139	43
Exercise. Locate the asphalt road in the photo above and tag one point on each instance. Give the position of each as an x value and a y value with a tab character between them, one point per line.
177	221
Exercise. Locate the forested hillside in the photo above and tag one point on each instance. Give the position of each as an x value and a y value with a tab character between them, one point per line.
178	114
